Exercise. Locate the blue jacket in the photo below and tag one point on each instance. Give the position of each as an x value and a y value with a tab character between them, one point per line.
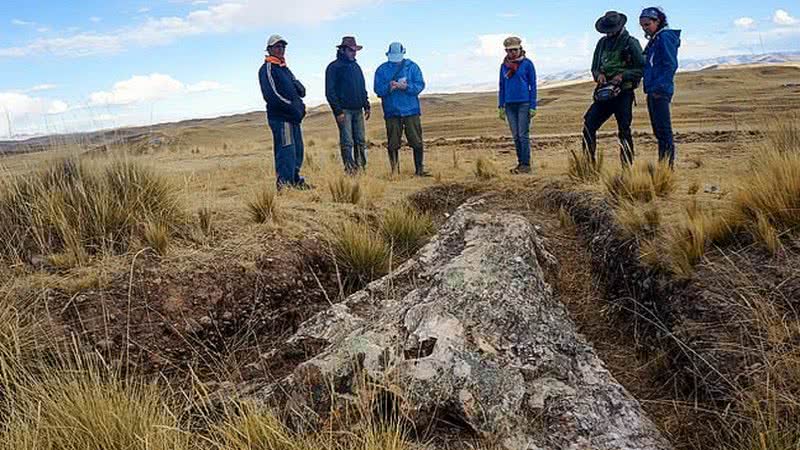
521	87
661	62
282	92
345	87
399	103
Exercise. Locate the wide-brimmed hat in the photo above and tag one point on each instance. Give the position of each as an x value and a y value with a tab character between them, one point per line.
396	52
350	42
512	42
611	22
274	39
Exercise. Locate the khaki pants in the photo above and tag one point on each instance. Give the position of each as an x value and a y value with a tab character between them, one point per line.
395	127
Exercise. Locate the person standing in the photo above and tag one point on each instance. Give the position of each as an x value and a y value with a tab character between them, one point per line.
346	92
517	99
617	69
661	63
398	82
283	94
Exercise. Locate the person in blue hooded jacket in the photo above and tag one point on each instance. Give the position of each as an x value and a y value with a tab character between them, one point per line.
661	63
517	99
398	82
283	94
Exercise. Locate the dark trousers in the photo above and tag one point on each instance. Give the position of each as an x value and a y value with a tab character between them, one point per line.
352	140
412	127
621	108
660	119
518	116
289	149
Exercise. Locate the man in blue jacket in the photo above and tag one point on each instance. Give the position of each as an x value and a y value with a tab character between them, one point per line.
661	63
398	82
285	110
346	92
517	99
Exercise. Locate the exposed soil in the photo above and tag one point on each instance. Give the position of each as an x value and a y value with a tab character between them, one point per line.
215	317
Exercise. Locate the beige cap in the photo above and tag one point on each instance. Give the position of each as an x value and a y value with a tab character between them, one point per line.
512	42
274	39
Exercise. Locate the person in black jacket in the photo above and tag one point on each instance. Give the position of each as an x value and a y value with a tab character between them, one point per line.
285	110
346	92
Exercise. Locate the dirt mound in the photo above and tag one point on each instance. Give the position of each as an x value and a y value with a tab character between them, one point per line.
730	329
213	316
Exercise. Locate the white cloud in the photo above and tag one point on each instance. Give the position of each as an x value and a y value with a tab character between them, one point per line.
146	88
744	22
42	87
43	29
143	10
783	18
221	17
95	19
16	104
21	23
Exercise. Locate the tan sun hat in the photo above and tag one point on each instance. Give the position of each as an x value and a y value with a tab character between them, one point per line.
512	42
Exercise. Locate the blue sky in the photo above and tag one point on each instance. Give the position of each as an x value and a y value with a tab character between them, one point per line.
68	66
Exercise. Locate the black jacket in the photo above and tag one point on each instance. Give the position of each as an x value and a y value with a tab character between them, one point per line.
282	92
344	86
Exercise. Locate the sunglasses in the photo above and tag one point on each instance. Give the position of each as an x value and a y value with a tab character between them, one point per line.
512	50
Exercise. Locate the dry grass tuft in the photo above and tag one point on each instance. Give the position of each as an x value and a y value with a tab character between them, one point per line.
264	206
565	218
689	240
205	220
361	254
582	169
345	190
77	410
694	188
638	220
643	182
81	209
405	229
156	236
485	169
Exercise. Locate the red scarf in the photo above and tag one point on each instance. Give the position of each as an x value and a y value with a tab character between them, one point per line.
281	62
513	65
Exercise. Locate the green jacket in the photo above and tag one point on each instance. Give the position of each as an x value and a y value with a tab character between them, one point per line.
621	54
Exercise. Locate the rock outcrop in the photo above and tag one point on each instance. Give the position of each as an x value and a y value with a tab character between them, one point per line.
469	330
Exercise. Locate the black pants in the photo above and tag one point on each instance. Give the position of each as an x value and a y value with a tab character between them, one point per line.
621	108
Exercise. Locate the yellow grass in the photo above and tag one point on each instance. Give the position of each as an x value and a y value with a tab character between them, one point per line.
81	209
361	253
405	229
264	206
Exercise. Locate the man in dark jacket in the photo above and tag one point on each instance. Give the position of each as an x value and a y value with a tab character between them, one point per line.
346	92
617	68
285	110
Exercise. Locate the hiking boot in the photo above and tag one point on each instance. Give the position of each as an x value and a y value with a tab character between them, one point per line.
303	186
520	169
422	174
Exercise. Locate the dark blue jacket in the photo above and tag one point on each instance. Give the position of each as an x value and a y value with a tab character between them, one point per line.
661	62
521	87
282	92
345	87
399	103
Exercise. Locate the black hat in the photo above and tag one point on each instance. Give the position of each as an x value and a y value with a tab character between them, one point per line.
611	22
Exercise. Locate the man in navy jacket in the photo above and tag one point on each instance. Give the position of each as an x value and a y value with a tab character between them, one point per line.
346	92
285	110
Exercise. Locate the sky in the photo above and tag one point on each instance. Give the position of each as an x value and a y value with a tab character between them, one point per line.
74	66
